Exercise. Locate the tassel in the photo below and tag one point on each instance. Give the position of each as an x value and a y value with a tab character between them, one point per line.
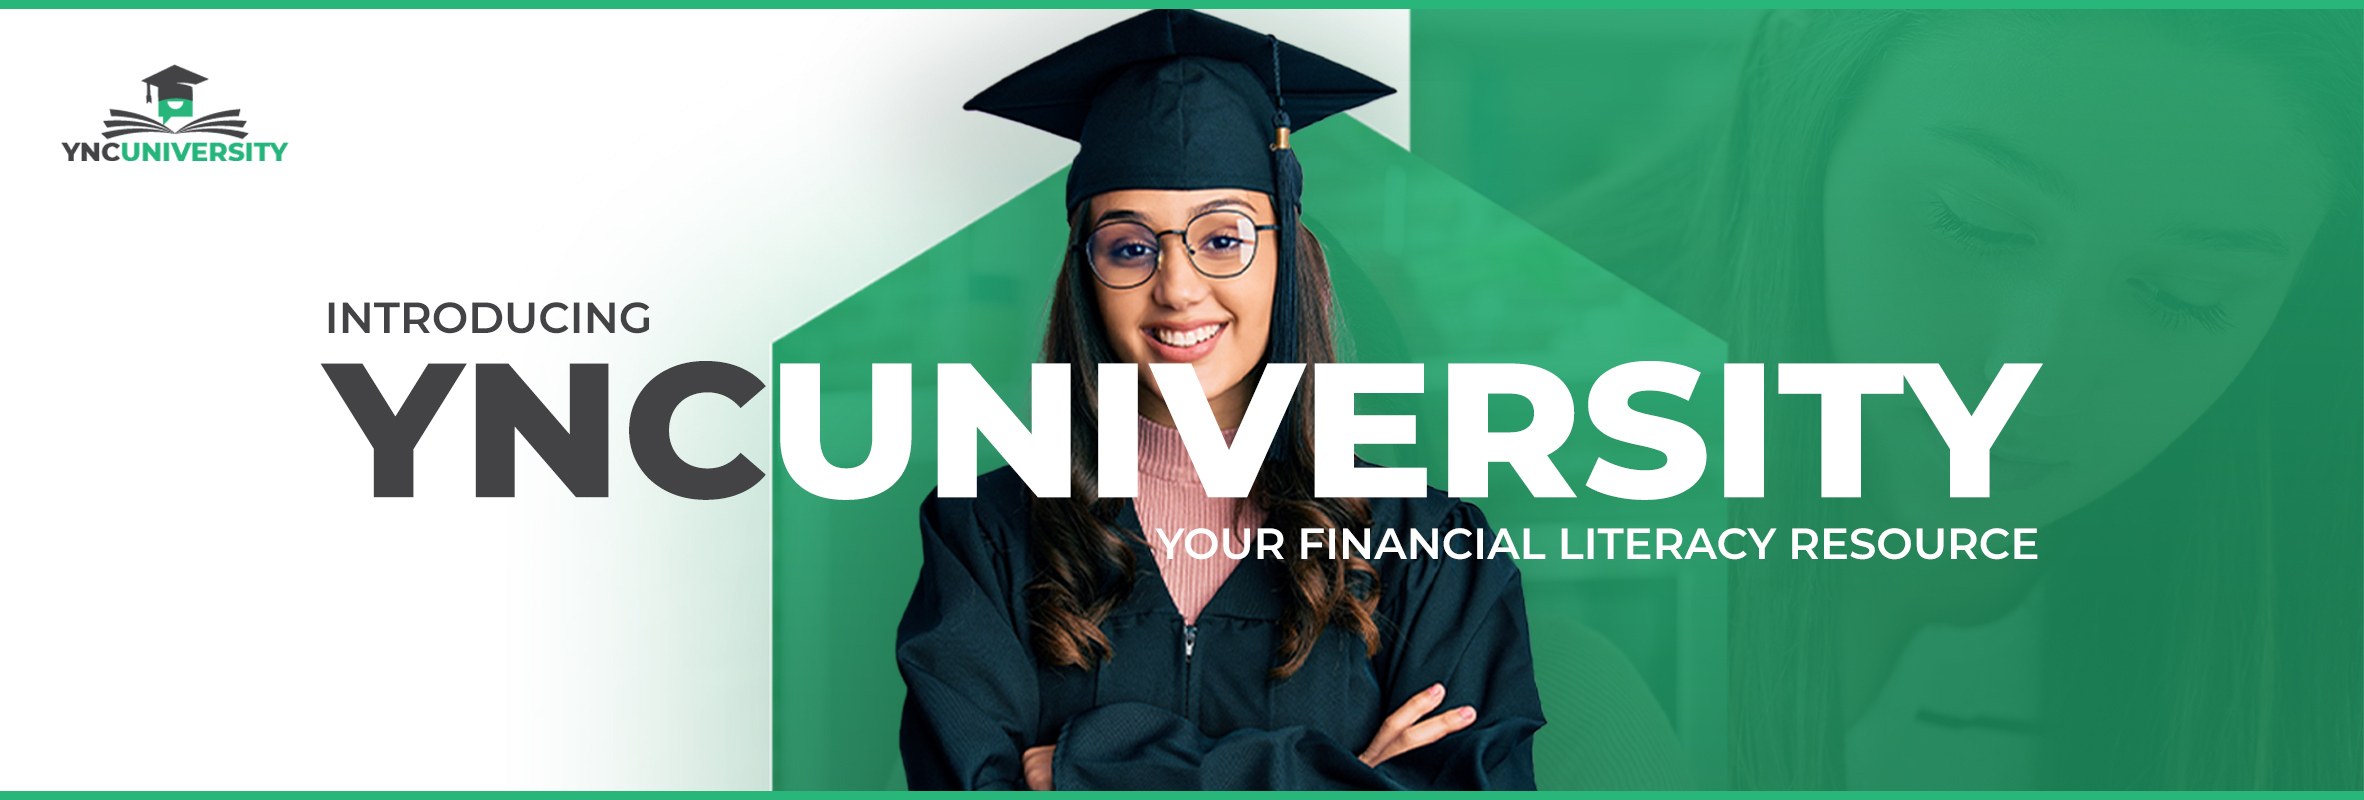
1288	188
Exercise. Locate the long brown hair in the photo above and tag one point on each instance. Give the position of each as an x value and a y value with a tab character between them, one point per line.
1084	564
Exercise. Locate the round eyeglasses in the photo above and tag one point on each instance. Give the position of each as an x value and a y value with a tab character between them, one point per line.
1125	254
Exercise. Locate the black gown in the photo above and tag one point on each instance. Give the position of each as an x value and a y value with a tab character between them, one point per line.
1179	708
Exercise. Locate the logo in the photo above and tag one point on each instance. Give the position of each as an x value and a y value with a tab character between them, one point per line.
175	94
174	91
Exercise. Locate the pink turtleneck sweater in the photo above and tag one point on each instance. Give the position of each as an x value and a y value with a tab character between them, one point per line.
1173	501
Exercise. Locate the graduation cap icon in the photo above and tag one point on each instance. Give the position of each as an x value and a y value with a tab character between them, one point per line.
171	89
175	96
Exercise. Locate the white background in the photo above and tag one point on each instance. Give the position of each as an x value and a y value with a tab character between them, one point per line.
197	589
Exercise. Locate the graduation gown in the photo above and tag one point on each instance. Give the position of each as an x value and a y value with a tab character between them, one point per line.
1183	707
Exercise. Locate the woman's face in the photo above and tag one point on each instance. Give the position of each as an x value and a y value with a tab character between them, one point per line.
1182	316
2127	211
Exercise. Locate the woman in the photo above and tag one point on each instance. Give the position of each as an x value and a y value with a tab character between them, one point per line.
1053	642
2160	208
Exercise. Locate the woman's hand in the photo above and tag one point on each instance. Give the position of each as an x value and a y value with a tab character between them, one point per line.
1402	731
1038	767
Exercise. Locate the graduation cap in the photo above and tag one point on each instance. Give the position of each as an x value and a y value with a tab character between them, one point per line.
173	83
1175	99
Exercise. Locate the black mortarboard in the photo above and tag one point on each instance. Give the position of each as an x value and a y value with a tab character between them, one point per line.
1176	100
173	83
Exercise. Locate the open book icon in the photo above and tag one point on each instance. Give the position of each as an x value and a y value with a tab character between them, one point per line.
226	123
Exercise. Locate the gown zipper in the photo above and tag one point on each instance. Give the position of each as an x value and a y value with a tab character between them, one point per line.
1190	672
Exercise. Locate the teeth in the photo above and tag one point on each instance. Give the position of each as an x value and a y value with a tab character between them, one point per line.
1186	338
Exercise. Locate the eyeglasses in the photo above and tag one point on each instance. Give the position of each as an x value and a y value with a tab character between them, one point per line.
1221	244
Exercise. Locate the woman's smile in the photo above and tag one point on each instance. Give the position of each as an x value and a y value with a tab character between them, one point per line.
1184	342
